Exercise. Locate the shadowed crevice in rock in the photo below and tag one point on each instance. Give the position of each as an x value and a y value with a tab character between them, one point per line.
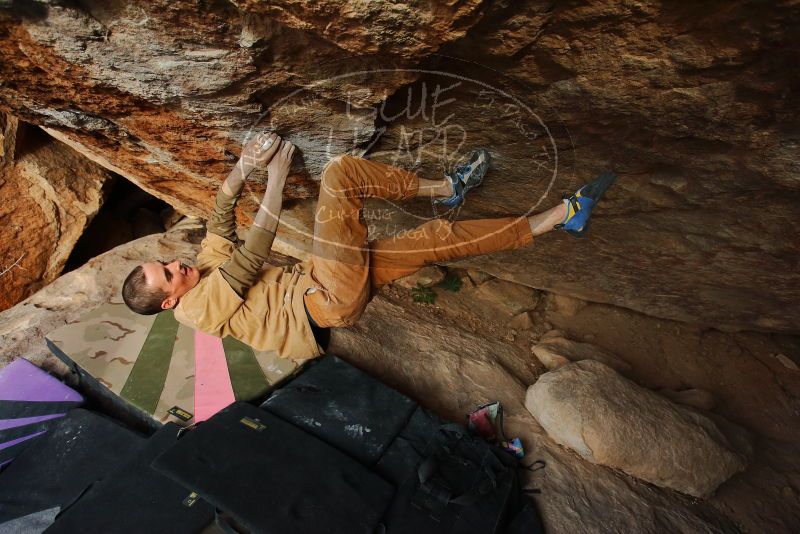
127	214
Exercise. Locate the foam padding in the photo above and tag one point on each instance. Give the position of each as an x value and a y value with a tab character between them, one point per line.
142	366
31	400
343	406
56	469
273	477
135	490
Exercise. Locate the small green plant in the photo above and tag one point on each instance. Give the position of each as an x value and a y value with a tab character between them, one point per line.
451	283
423	294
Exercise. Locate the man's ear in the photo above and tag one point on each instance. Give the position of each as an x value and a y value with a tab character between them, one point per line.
168	303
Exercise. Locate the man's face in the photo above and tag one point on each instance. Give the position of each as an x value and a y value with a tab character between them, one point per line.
173	277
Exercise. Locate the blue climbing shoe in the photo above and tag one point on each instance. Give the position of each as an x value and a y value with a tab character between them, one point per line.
582	202
466	176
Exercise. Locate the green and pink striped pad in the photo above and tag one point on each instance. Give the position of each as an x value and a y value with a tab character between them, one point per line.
155	363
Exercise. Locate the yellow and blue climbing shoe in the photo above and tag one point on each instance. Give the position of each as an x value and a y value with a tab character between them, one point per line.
466	176
582	202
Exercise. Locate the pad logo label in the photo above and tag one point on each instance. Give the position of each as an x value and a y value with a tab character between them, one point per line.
191	499
252	423
180	413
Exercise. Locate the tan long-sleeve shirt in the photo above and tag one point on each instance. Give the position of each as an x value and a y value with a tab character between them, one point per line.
237	297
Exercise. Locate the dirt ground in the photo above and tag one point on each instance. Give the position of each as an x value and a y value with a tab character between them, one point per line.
753	376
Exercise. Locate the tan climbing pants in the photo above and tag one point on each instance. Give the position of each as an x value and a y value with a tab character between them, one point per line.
348	270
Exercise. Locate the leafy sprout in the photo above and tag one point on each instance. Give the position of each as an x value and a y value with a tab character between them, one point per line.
423	294
451	283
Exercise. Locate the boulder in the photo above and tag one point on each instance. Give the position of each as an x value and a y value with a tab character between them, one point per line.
554	351
609	420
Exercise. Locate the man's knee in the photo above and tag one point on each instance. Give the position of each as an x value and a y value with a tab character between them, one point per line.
338	172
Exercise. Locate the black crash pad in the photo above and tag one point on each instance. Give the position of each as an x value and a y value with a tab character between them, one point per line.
343	406
273	477
136	490
79	449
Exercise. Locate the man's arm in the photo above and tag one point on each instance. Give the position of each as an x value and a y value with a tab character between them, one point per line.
223	219
242	270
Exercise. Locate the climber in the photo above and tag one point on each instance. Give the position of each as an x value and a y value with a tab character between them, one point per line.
228	293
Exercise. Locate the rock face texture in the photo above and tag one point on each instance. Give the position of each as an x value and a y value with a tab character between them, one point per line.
692	105
407	28
609	420
48	194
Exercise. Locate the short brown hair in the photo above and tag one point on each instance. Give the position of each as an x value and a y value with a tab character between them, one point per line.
139	296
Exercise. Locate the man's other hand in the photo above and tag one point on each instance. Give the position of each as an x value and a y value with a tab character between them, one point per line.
278	167
259	151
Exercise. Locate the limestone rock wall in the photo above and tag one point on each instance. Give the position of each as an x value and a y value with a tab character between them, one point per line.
48	194
694	106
